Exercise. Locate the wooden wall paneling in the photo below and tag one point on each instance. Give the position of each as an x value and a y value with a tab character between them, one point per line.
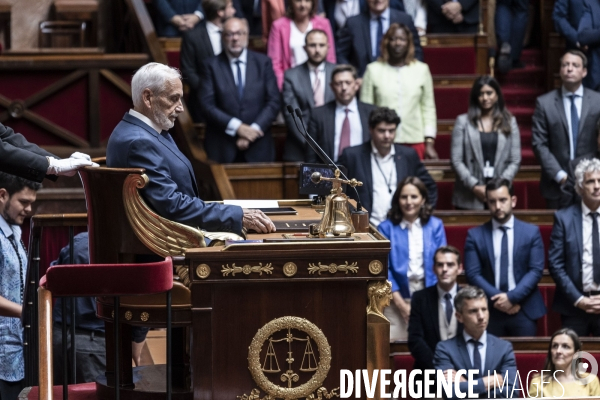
94	107
142	17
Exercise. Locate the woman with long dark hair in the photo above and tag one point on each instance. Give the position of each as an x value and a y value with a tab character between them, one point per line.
486	144
561	376
414	235
401	82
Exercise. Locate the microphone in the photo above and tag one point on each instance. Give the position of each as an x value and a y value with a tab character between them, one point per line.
317	149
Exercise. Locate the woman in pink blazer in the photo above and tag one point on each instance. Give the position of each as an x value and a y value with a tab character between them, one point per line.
286	38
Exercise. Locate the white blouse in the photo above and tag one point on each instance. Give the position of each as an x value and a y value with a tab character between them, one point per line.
299	56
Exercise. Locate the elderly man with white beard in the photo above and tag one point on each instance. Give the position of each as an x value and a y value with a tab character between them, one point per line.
142	140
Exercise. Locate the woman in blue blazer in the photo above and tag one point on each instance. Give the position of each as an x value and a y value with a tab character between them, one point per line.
415	235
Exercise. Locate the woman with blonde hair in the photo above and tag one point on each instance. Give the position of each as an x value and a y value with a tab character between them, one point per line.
401	82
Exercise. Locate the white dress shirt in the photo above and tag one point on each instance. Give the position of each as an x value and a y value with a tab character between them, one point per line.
234	123
214	34
482	348
320	71
382	183
447	330
587	261
356	133
297	42
567	105
416	269
345	9
497	234
385	22
146	120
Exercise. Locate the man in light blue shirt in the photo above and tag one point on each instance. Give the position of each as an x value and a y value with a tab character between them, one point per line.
16	197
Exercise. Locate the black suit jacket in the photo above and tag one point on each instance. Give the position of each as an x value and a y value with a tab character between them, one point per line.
219	101
298	93
21	158
424	327
322	128
353	45
438	23
358	161
550	136
195	48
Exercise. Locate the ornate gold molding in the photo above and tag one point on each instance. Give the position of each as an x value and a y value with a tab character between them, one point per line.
203	271
375	267
246	269
144	316
321	368
332	268
379	294
290	269
321	393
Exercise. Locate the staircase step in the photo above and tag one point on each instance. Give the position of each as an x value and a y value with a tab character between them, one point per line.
530	76
520	95
532	57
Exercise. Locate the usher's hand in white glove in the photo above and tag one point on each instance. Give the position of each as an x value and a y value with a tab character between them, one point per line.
81	156
67	166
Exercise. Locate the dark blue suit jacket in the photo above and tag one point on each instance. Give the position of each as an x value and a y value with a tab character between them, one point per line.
564	259
353	44
329	8
528	265
167	9
566	16
172	190
588	34
357	160
499	357
260	104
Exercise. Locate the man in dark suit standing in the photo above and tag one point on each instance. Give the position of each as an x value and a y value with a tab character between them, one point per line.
142	140
200	43
239	100
505	257
574	255
306	86
28	161
380	164
564	125
331	125
461	16
358	43
477	349
432	316
588	36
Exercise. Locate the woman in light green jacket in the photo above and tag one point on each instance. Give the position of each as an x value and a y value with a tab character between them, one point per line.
399	81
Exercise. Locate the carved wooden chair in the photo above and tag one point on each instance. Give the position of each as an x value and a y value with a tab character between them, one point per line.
99	280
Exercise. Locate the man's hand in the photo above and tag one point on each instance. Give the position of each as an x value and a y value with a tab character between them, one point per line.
501	302
493	381
451	9
257	221
515	309
179	22
249	133
67	166
458	19
430	152
190	20
479	192
451	373
590	305
242	144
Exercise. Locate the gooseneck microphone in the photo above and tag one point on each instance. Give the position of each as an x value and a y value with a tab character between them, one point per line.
297	114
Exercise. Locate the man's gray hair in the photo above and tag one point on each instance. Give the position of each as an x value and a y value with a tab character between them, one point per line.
585	166
467	293
151	76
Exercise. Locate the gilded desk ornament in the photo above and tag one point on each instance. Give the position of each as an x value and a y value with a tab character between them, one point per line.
375	267
379	294
290	269
270	364
128	315
144	316
203	271
246	269
332	268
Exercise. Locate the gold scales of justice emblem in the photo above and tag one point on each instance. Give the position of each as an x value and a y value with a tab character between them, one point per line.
312	388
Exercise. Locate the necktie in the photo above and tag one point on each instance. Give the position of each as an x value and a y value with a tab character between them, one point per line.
595	246
240	83
379	36
574	123
449	309
476	354
318	90
345	136
504	261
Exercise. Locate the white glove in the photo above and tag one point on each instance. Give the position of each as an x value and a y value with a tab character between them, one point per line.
81	156
67	166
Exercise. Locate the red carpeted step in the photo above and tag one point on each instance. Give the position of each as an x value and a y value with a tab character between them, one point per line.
515	96
463	60
523	116
443	144
81	391
450	102
532	57
528	157
530	76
